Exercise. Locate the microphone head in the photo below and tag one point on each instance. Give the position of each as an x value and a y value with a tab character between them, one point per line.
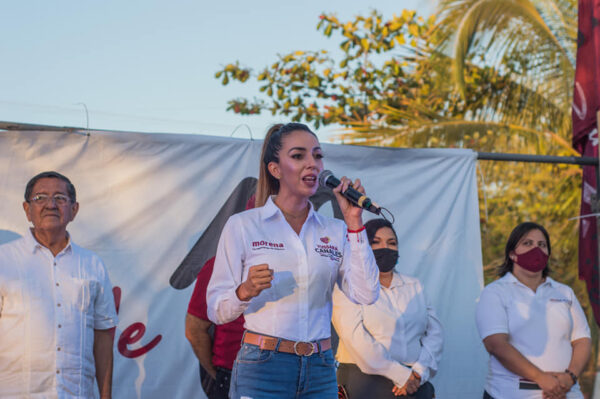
323	176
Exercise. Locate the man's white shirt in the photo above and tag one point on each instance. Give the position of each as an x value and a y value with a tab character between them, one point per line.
49	309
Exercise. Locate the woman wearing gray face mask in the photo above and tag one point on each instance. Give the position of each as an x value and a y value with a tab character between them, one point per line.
392	348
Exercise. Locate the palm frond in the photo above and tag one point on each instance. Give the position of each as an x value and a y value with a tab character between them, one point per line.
495	22
456	133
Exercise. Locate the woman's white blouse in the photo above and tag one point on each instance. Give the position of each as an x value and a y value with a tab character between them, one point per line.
306	267
392	337
541	325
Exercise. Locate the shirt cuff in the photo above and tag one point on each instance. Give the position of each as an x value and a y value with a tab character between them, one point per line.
357	240
422	371
106	323
200	315
401	374
580	334
492	331
236	304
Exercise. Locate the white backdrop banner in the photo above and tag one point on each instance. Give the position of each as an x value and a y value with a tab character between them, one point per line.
152	206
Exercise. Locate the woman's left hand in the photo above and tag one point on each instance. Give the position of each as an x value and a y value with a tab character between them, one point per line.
352	214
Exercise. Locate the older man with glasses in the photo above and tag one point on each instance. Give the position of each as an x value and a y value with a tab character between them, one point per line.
57	311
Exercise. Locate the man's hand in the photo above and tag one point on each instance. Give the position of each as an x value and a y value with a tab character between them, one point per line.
196	331
259	278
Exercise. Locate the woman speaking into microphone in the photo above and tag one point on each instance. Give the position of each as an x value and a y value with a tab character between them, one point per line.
278	263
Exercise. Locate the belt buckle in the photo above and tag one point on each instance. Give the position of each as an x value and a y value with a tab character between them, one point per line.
312	348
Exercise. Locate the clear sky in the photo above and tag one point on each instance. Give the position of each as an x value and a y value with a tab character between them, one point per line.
149	65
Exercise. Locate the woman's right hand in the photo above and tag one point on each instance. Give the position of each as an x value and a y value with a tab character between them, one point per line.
352	214
259	278
551	386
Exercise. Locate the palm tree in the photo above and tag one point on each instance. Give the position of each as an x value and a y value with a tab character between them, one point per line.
513	69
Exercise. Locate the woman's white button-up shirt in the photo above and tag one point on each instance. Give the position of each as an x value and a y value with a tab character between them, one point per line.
306	267
396	335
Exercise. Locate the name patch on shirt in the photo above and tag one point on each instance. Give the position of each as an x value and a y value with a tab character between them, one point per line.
278	246
329	251
567	301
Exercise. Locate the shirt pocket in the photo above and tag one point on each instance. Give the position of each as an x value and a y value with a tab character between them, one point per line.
79	294
251	354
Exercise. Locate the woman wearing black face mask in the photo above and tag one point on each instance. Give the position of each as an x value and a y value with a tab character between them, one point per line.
532	326
389	349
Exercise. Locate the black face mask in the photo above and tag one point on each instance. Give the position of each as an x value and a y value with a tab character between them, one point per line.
386	258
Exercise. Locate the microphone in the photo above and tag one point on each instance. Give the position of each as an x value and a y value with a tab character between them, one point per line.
327	179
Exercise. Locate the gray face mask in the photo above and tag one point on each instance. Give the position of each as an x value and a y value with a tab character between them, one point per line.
386	258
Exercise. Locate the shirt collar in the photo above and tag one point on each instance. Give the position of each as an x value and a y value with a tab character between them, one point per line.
510	278
269	209
550	282
397	280
34	245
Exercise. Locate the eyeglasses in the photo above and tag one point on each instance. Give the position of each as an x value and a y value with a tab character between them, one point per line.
41	199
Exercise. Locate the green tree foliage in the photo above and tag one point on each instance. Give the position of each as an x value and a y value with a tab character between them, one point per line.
490	75
315	87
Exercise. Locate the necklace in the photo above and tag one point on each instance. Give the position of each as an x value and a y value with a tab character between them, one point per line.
288	215
295	221
292	216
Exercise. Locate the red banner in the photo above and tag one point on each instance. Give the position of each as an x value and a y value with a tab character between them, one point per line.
586	103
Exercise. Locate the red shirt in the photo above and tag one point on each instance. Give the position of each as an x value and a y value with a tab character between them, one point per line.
227	337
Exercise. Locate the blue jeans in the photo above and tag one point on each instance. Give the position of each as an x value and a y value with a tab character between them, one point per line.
259	373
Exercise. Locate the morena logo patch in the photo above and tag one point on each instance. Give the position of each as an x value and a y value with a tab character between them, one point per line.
325	240
267	244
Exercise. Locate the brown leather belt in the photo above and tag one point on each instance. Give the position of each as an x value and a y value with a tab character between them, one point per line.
297	347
